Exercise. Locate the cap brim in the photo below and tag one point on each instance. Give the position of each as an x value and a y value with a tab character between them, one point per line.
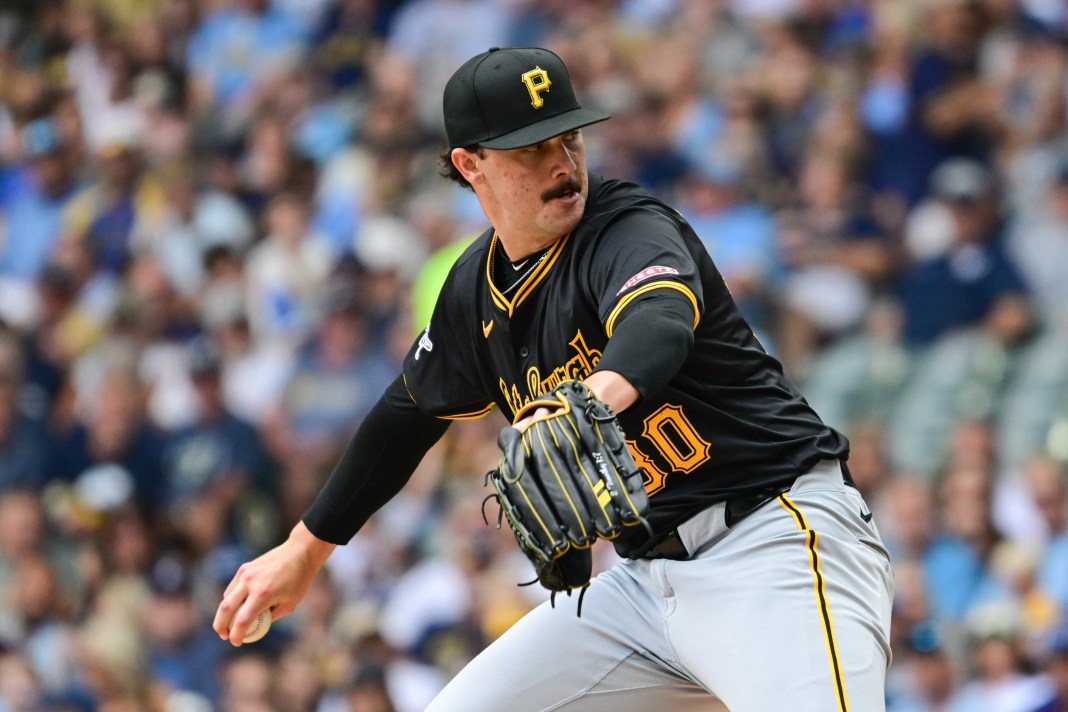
544	130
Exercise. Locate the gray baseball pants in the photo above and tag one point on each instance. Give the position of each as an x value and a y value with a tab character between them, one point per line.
789	609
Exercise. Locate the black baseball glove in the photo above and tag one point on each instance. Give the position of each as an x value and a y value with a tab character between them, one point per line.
566	481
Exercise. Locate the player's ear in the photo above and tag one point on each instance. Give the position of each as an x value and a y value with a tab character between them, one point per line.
467	162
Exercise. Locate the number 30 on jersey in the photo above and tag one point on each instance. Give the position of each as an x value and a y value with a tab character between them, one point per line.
675	439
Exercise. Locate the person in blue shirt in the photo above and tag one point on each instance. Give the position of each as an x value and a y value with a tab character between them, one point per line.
938	109
180	652
238	47
924	672
1047	485
956	564
115	432
23	441
33	196
739	233
1057	670
972	283
346	38
214	463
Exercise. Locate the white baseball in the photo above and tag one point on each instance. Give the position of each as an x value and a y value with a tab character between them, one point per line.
259	627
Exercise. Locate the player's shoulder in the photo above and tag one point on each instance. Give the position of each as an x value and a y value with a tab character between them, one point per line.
620	207
472	259
612	198
608	195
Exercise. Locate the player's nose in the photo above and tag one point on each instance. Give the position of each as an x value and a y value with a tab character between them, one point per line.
563	160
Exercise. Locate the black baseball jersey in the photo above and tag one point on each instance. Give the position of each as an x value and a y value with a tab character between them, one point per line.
726	423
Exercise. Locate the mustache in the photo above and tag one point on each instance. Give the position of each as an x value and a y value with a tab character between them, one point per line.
571	185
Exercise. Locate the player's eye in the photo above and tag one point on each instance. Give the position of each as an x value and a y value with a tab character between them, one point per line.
569	138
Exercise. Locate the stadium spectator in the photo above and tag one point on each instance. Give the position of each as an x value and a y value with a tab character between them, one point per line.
1037	240
1057	666
285	274
102	215
1003	682
114	431
246	682
924	678
1046	480
34	195
834	255
948	110
739	233
238	47
972	283
336	378
956	562
23	440
181	654
213	464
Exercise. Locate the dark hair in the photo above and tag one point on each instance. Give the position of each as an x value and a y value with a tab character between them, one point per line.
448	170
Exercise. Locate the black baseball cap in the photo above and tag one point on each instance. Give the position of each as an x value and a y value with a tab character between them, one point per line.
510	98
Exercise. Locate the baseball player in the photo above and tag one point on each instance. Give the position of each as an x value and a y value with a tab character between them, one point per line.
764	581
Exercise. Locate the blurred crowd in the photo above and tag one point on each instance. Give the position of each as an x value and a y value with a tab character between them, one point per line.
222	224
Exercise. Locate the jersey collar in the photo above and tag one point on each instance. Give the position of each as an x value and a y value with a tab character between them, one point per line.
523	290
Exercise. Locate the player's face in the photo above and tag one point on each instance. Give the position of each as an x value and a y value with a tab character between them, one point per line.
535	194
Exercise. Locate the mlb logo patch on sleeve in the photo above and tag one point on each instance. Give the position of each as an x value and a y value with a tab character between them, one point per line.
646	274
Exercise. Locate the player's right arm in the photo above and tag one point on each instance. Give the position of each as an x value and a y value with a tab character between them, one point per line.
440	373
379	460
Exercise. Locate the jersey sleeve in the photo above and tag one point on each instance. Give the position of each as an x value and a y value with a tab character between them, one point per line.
641	254
379	460
441	370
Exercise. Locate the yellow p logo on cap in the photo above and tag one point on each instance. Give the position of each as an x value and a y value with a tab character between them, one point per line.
536	81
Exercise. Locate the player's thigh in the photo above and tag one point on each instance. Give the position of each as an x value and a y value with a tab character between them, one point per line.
639	684
796	617
614	657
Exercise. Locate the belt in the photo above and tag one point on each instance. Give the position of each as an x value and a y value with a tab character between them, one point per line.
735	509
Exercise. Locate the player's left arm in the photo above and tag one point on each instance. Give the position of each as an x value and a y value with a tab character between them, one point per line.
614	389
649	294
648	289
649	345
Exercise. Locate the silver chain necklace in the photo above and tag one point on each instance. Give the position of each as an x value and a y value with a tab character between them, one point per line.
519	280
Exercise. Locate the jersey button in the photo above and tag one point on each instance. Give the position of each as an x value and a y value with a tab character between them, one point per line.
523	352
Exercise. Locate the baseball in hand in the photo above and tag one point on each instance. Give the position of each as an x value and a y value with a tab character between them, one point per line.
259	627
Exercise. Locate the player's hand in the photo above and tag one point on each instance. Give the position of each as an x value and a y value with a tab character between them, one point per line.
611	387
539	414
279	580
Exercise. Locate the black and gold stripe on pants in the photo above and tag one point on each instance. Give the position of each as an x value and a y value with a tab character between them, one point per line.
812	544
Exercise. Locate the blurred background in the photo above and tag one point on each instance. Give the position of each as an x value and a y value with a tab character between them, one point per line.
221	226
